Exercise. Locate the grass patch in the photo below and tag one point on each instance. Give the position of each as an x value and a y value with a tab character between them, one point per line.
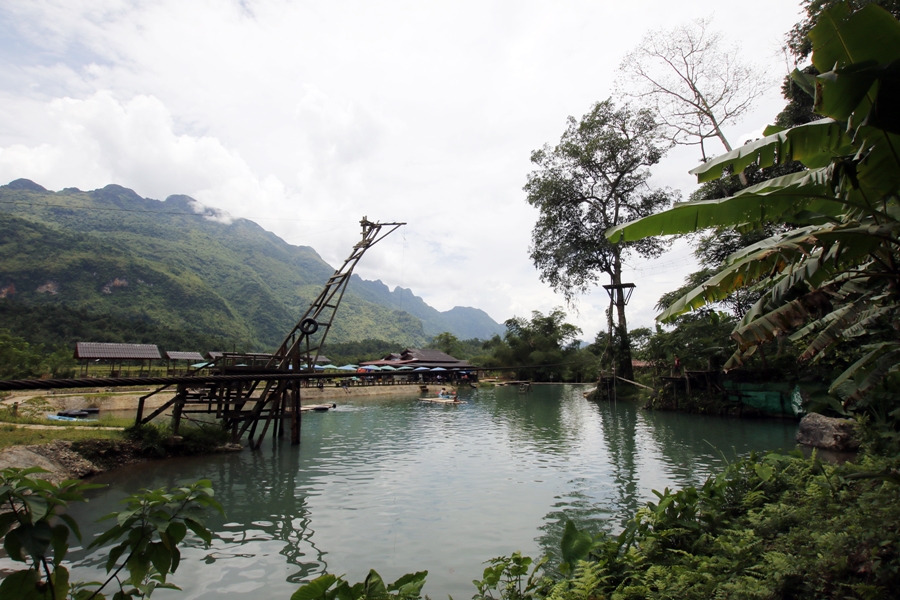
10	435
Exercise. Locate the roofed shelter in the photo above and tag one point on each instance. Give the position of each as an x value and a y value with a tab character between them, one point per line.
189	357
97	351
416	357
421	358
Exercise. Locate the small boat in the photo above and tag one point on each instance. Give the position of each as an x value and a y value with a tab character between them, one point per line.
440	400
318	407
78	419
73	413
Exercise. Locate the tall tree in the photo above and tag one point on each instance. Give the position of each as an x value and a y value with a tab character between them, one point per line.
837	273
595	178
692	84
543	344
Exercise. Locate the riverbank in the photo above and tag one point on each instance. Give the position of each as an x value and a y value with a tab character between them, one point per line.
99	449
63	462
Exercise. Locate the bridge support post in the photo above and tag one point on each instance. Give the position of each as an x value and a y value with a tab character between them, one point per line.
176	410
295	413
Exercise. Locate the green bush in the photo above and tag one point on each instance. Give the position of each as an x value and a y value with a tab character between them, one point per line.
193	438
768	526
153	439
202	437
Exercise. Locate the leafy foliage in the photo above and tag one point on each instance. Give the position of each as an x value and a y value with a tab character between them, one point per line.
836	273
798	38
58	328
595	178
768	526
153	524
505	575
195	437
331	587
21	360
543	343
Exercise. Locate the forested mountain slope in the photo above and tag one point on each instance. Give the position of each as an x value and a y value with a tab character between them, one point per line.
111	252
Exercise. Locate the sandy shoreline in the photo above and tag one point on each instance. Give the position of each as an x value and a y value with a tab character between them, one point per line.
115	399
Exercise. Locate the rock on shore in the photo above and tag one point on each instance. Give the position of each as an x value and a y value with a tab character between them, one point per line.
828	433
57	458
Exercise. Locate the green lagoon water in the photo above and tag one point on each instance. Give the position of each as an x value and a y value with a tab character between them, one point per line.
400	486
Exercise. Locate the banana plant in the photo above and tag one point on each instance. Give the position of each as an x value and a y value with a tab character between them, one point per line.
834	276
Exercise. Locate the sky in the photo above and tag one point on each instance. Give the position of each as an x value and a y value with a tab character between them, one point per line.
306	116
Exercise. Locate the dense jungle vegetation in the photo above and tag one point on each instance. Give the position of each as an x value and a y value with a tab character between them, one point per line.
801	268
158	268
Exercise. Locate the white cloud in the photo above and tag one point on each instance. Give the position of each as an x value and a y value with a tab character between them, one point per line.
308	116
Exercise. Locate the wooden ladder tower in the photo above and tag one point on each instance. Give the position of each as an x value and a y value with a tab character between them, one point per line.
245	405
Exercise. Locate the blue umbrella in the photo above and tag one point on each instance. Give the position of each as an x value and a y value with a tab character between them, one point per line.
439	369
421	369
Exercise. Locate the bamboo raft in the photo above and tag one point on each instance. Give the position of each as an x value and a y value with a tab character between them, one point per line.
442	400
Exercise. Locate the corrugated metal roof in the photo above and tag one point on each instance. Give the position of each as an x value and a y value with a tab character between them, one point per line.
194	356
415	357
321	359
429	355
89	350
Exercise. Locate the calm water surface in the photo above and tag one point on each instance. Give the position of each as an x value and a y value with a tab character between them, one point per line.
400	486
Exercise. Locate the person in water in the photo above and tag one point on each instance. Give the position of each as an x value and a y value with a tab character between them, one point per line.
445	395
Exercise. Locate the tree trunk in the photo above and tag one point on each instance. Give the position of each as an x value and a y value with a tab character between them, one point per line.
623	352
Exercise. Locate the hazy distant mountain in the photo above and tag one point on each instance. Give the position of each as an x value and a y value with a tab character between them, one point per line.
111	252
463	321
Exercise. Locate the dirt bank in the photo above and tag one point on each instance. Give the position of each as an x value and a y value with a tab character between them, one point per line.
62	461
77	460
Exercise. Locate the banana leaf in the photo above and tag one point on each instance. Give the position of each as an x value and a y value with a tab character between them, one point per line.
878	164
812	255
886	359
840	38
814	144
840	319
779	199
781	320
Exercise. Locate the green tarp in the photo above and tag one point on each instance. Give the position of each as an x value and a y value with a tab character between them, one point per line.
771	397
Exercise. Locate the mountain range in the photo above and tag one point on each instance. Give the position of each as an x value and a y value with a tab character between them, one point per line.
111	253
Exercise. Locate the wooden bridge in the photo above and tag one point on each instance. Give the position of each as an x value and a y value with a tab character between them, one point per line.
263	390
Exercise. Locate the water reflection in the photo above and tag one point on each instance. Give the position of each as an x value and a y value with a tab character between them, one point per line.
401	486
